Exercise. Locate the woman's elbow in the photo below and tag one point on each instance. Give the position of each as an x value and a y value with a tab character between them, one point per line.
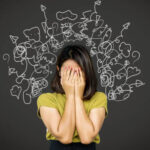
86	140
66	140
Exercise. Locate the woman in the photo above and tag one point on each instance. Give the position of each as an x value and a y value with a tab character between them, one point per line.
75	112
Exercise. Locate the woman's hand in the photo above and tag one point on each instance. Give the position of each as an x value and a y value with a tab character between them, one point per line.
79	85
68	80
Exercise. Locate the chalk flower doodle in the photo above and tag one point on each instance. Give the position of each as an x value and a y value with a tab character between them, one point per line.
115	57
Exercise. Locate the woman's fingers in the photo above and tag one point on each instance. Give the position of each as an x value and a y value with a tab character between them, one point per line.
74	77
68	72
79	74
72	74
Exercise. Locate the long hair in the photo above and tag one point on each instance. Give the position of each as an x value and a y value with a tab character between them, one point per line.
80	55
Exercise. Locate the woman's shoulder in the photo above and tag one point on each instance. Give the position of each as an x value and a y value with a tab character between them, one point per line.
47	95
51	93
54	95
47	99
99	94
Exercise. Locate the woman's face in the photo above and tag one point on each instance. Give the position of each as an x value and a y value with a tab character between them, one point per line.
72	64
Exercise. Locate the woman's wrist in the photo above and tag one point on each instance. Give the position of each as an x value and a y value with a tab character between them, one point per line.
70	96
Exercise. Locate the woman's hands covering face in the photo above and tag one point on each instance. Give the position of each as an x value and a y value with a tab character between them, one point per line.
79	85
73	81
68	77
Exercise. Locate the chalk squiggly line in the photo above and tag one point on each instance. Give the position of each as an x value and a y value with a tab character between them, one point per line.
115	57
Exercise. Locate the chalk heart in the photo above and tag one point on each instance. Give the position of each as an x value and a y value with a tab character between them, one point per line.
132	71
15	90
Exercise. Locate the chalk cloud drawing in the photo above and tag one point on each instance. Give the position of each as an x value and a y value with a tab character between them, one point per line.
115	58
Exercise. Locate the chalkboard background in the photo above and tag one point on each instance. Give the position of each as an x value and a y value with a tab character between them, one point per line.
127	126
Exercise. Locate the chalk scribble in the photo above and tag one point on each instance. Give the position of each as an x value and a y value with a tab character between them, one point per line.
115	58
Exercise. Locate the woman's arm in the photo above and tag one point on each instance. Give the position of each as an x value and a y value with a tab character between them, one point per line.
66	125
88	127
60	127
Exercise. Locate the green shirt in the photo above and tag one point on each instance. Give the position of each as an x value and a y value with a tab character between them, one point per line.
57	100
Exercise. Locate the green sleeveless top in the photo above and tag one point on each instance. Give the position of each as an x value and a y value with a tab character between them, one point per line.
57	100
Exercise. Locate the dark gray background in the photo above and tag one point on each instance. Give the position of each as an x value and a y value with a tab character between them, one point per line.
128	124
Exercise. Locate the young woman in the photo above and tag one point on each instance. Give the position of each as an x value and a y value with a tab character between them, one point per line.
75	112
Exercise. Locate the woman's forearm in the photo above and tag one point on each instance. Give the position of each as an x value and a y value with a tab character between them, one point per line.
84	125
66	125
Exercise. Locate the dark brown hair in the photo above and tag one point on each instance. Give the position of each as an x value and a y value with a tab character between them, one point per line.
80	55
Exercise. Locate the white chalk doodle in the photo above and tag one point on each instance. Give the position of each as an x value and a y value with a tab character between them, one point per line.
115	58
66	15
